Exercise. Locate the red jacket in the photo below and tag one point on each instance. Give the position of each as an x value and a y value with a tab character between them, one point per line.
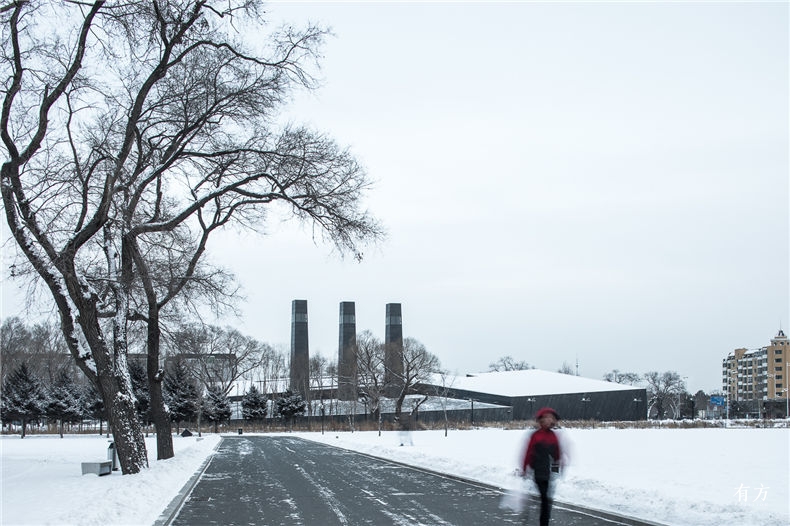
543	450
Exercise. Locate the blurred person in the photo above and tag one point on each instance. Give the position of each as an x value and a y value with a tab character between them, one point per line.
404	434
542	458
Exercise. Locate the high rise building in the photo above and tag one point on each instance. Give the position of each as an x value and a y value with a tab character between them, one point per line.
757	375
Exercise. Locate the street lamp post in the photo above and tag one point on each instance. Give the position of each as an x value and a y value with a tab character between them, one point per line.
636	407
472	414
585	401
321	407
531	406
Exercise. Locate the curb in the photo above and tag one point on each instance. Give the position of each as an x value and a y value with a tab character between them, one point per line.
172	509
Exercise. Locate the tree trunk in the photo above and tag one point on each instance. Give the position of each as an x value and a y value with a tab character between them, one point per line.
162	424
159	414
115	386
399	405
158	410
126	430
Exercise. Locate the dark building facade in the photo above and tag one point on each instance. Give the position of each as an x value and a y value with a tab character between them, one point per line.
393	349
300	350
576	399
346	354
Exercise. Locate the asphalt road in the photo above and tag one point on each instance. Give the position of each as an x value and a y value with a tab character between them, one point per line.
261	480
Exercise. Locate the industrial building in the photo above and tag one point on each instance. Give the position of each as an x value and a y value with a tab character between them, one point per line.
526	391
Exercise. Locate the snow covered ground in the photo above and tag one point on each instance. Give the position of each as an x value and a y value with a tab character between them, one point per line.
41	481
674	476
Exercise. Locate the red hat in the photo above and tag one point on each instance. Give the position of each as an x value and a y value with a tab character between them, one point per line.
546	411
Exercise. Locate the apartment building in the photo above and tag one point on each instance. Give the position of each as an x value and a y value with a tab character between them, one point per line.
758	375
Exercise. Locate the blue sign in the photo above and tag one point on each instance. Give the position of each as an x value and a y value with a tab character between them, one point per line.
717	400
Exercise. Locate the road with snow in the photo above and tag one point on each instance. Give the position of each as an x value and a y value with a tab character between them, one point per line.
289	481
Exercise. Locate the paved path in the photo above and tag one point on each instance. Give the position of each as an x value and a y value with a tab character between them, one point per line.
263	480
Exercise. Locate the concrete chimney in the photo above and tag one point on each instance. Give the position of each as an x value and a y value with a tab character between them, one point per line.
300	350
393	350
346	354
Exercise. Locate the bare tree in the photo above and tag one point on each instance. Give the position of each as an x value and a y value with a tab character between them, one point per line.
418	365
663	391
508	363
333	377
442	389
133	132
262	376
47	354
218	356
618	377
566	369
319	374
271	373
41	347
214	358
276	370
230	356
370	372
15	338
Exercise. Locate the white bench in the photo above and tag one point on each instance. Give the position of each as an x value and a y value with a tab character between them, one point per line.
102	467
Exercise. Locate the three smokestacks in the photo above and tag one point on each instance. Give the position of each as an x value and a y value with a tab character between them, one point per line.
346	354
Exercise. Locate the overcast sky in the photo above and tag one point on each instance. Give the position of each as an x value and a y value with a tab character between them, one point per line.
601	182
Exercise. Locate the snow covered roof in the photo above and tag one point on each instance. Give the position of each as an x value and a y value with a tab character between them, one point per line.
528	382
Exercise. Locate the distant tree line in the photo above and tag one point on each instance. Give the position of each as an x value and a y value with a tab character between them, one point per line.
40	382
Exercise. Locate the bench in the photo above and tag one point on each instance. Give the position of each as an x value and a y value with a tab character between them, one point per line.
102	467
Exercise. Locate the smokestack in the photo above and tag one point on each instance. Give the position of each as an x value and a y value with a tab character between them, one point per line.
346	354
300	353
393	350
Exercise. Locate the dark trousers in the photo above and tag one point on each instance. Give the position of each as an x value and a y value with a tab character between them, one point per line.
545	501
